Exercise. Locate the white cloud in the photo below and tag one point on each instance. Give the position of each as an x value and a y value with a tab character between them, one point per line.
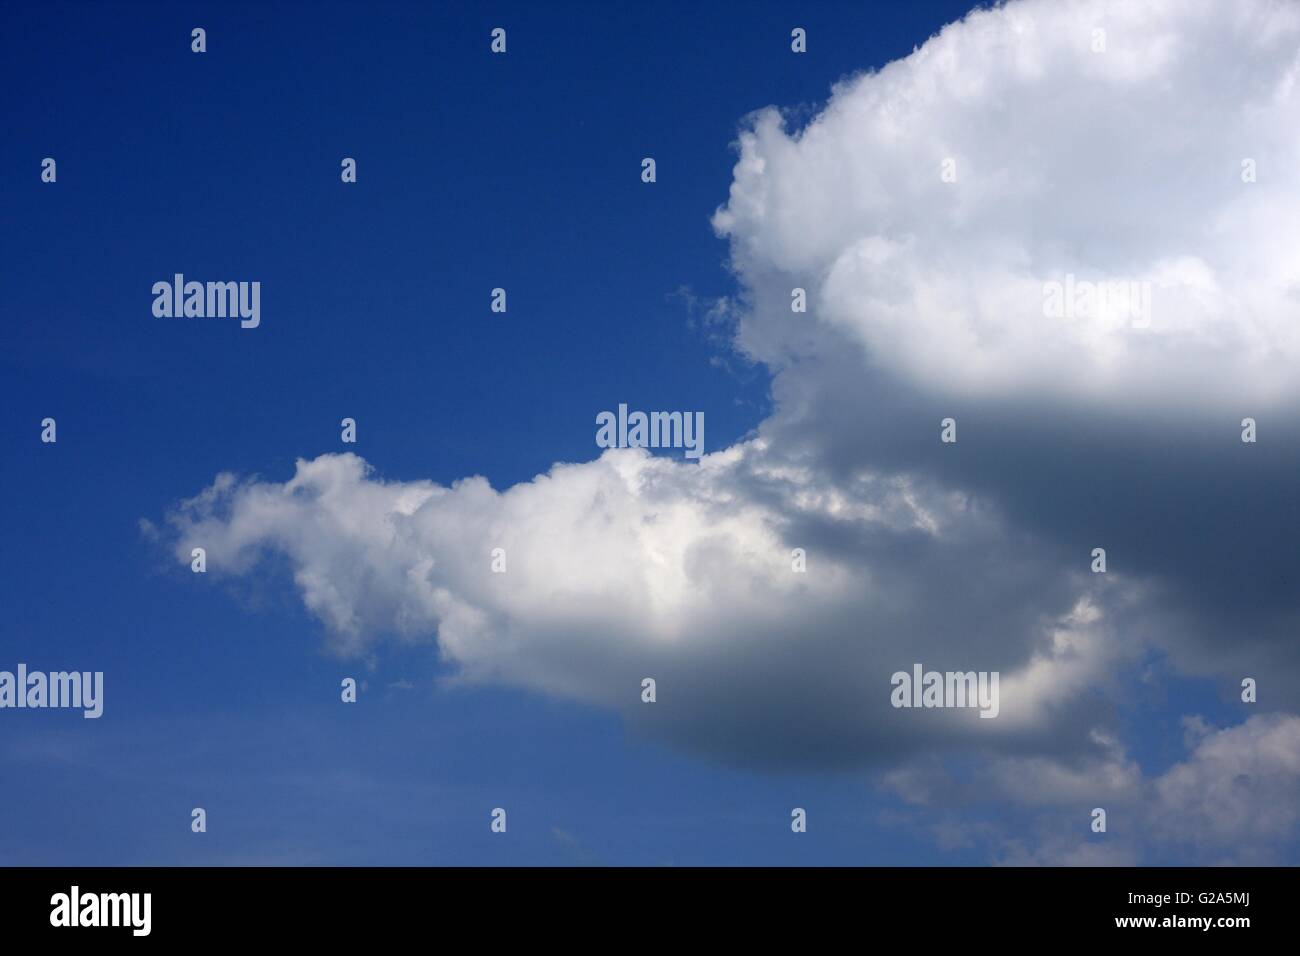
1239	792
634	565
1122	166
1235	798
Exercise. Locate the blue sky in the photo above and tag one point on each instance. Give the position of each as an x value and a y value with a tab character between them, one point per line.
474	171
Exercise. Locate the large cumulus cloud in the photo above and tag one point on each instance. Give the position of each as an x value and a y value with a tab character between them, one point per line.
926	300
634	566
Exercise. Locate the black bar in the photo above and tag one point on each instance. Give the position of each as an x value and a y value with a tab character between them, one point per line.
338	905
